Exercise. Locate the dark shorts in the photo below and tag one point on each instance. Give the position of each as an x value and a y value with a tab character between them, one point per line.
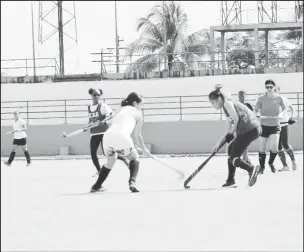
270	130
19	142
241	142
284	138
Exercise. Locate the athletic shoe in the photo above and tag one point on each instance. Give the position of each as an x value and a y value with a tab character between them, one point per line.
262	170
272	168
132	187
28	164
229	184
285	168
294	165
253	175
101	189
7	163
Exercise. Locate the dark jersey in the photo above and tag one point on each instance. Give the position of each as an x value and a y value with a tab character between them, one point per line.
248	106
247	119
94	116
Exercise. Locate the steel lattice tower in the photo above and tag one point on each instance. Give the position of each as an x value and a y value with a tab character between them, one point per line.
45	13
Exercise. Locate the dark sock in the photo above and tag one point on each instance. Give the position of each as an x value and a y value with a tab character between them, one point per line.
290	153
123	160
134	167
244	165
282	157
231	171
11	157
95	162
103	174
272	157
28	158
262	159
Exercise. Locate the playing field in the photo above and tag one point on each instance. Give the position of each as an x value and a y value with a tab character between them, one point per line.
47	207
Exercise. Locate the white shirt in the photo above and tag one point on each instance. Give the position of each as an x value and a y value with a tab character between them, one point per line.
285	115
125	120
17	125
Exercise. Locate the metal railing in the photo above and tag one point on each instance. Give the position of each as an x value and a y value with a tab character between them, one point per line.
167	108
235	59
24	67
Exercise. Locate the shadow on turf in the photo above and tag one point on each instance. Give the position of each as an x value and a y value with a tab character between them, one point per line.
147	191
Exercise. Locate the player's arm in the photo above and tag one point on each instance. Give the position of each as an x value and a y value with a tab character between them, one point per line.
138	136
290	107
231	127
257	106
283	106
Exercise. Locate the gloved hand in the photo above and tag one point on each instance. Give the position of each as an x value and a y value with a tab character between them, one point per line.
291	121
229	137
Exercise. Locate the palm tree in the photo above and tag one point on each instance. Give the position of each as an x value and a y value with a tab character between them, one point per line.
295	38
181	49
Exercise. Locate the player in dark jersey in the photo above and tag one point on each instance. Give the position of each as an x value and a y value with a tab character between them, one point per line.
98	111
242	123
242	98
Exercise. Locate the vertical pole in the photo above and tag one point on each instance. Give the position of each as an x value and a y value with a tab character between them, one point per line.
27	112
180	108
256	47
101	58
165	35
298	103
60	32
266	48
212	49
65	112
26	67
223	50
116	41
33	42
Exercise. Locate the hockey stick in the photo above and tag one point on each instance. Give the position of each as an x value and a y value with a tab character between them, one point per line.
180	173
201	167
84	129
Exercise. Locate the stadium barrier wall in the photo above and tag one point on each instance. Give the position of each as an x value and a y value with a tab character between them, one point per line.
251	83
165	137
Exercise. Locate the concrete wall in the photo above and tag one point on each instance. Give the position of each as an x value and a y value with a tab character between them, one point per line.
165	137
253	83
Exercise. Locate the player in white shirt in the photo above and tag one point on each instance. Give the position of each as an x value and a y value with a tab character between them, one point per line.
19	132
117	140
284	135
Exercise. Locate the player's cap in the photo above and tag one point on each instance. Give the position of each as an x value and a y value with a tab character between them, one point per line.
242	92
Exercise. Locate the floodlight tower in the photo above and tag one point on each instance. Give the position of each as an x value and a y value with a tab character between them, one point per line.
45	13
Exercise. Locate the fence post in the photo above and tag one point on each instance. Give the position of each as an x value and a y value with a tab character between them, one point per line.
27	112
180	108
298	102
65	112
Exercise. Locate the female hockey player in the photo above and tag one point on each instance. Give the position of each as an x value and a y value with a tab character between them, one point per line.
19	132
242	123
269	106
118	142
98	111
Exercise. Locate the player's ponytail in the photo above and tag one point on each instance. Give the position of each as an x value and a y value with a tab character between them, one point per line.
124	102
97	91
215	94
132	97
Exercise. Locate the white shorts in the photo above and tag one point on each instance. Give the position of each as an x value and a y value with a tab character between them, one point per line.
117	142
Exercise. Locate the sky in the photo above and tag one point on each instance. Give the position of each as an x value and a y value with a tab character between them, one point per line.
95	29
